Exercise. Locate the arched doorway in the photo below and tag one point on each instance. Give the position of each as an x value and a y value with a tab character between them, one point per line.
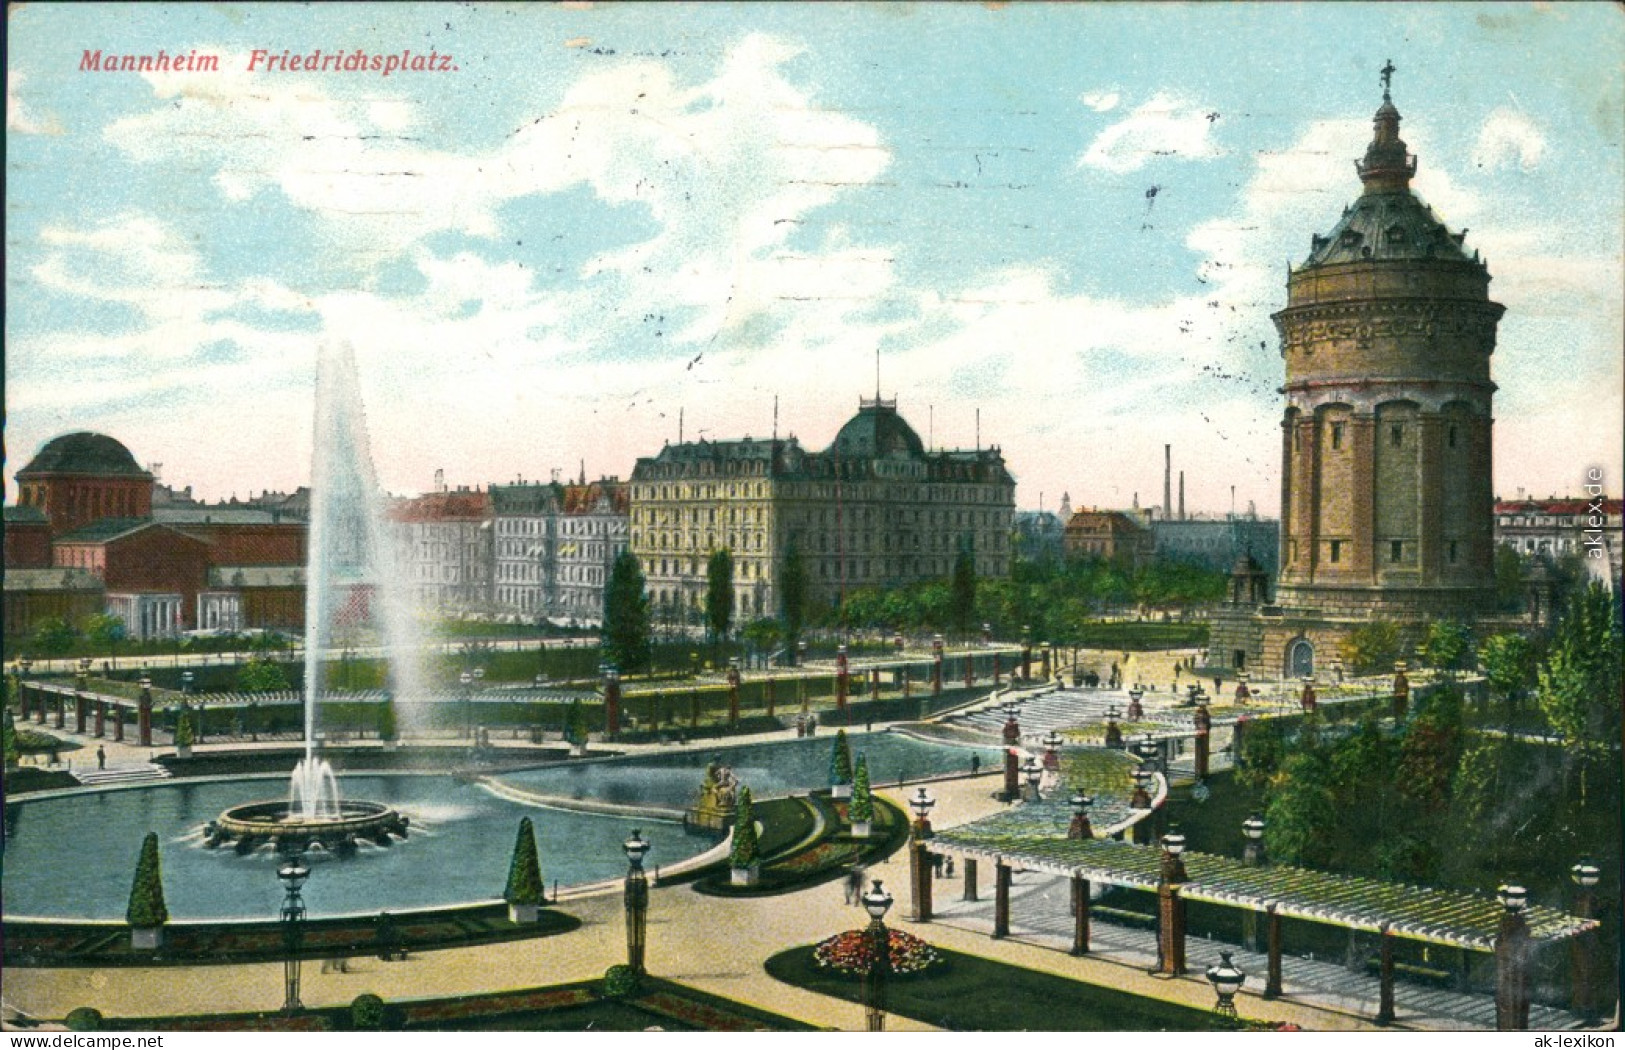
1300	658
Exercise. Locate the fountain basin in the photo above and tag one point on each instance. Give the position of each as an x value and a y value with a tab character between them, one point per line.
283	825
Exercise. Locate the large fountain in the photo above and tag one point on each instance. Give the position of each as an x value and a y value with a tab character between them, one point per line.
349	586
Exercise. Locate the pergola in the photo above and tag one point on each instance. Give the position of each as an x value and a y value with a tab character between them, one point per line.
1444	917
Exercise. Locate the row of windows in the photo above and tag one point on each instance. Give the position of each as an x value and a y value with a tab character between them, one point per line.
1398	551
1396	436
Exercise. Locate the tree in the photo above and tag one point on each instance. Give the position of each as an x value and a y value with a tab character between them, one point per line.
525	885
103	630
53	636
146	907
719	594
1448	646
1430	750
963	586
763	634
1301	814
1509	666
746	850
1263	749
861	809
840	760
1579	683
793	597
1508	578
1372	648
626	615
261	674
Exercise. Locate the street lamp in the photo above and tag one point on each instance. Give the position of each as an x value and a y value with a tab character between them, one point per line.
467	681
1227	979
876	902
186	682
1253	829
921	804
637	901
1033	772
1513	898
1080	828
293	874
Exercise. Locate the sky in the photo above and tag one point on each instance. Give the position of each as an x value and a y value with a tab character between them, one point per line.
1059	229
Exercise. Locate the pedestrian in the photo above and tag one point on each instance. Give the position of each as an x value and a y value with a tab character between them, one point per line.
975	764
854	885
101	758
950	868
937	862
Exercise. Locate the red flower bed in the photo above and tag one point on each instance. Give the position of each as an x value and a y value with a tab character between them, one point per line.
849	953
699	1015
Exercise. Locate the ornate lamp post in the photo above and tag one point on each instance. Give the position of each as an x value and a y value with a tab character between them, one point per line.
1511	961
1114	733
84	673
1079	828
1052	749
936	663
1135	711
143	713
1226	979
293	875
1253	829
1012	737
1032	772
919	856
637	901
1585	876
1171	907
876	902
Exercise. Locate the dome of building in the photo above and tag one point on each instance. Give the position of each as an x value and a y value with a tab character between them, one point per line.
877	431
84	453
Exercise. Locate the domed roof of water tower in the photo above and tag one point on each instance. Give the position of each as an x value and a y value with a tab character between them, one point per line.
1388	221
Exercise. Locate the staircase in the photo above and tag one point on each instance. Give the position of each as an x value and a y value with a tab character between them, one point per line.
130	774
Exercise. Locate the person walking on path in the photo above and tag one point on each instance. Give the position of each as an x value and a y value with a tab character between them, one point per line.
854	884
101	757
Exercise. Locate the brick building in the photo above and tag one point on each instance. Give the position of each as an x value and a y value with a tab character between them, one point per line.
1109	534
1386	502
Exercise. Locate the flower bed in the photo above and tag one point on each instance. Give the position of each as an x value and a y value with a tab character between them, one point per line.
849	953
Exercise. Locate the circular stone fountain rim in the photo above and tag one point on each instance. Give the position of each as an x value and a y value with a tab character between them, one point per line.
272	816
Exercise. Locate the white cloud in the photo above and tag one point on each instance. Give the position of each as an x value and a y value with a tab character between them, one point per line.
1164	126
18	116
1509	138
1100	101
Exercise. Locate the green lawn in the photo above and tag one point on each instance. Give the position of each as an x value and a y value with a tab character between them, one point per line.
973	994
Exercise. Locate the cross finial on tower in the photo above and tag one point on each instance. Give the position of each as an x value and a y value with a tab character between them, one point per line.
1387	79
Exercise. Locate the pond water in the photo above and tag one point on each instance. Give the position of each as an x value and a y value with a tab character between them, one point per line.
770	769
74	856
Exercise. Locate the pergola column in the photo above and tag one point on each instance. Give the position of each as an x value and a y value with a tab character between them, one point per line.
1080	915
23	693
143	721
1001	898
970	880
40	704
920	872
1171	908
1385	1004
101	717
996	670
1582	966
1272	977
1204	729
840	678
80	705
118	722
1512	973
61	711
772	694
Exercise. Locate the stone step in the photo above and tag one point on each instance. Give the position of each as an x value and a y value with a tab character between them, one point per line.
121	774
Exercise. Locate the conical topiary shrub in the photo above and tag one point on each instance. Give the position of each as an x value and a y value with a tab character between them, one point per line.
840	767
8	740
745	859
526	891
184	736
147	912
575	728
862	808
388	731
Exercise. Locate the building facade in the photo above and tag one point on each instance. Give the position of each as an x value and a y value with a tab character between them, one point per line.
525	525
1111	535
1216	543
443	545
1587	528
593	530
875	509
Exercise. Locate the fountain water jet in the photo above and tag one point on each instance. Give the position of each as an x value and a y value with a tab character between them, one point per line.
349	584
